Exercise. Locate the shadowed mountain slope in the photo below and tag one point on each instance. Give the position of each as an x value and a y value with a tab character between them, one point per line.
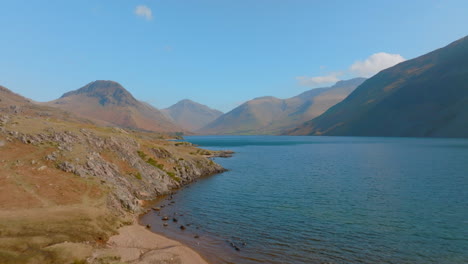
270	115
108	103
191	115
423	97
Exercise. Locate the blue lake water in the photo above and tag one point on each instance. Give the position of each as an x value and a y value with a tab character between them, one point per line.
326	200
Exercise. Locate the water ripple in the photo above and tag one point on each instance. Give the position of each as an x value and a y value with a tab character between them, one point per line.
328	200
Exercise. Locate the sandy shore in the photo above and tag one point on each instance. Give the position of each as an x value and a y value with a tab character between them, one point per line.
136	244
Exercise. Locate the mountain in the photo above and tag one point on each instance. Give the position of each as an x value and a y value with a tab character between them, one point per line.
108	103
270	115
423	97
191	115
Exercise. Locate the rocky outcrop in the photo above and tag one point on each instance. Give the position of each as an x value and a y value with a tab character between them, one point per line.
134	169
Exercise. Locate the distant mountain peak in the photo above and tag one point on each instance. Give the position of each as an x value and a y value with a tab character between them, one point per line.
266	98
108	92
185	102
191	115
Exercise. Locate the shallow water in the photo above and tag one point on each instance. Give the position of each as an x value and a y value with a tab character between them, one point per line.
327	200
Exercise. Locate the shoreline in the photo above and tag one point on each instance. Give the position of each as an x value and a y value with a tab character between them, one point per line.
181	253
137	244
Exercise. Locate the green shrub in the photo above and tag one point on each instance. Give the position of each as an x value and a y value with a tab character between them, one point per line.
173	176
138	175
142	154
154	163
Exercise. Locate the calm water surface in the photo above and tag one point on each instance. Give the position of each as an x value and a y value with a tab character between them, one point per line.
327	200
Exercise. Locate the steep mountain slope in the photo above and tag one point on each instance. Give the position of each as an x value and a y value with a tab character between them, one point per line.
423	97
108	103
191	115
270	115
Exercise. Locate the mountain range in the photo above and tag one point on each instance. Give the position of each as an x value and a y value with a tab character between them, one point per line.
271	115
423	97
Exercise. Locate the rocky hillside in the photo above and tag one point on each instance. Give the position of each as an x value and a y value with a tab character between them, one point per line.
67	184
270	115
108	103
191	115
8	98
423	97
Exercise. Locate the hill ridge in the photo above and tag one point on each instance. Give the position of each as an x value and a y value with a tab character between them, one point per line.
271	115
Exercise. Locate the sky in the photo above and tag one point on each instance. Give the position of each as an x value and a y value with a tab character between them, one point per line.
217	52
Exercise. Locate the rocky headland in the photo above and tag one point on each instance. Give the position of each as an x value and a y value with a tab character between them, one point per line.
67	185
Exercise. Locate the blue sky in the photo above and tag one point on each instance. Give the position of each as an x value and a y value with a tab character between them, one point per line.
217	52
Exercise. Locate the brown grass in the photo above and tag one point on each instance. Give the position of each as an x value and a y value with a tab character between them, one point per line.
44	207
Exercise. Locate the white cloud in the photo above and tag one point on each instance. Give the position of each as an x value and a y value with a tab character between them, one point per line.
370	66
319	80
375	63
144	12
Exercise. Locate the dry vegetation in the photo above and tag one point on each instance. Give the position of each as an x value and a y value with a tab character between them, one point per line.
42	206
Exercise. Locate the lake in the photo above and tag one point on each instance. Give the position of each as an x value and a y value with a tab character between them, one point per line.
326	200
